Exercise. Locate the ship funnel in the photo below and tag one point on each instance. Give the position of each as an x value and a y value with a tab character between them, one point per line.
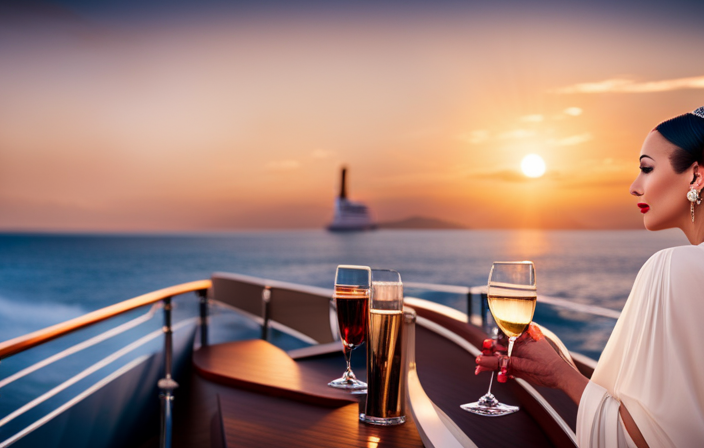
343	184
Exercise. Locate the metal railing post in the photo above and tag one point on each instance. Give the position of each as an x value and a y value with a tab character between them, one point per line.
483	307
167	384
203	294
266	297
469	306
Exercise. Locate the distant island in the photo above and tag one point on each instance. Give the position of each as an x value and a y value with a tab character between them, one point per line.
420	222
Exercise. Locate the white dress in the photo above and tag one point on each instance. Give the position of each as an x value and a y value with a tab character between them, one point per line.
653	362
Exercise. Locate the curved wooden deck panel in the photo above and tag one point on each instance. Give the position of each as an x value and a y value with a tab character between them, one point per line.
259	366
254	420
266	399
445	352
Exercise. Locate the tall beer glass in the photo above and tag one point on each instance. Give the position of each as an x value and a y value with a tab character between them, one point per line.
385	397
352	290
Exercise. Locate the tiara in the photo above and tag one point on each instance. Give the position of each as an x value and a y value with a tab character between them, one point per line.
699	112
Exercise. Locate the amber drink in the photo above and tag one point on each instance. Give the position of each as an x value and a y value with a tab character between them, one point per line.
385	394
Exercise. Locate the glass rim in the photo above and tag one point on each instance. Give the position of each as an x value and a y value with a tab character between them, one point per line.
350	267
390	282
524	262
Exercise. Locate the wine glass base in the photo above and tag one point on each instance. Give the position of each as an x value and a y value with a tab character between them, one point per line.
390	421
489	406
349	384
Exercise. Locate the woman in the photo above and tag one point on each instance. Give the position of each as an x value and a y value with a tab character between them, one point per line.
648	387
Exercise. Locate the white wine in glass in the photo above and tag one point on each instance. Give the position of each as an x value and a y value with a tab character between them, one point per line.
511	294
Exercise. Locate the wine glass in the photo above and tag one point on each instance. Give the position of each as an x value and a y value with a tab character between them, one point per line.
352	289
512	295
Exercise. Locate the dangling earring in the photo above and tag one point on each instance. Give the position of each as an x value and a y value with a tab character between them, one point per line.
692	197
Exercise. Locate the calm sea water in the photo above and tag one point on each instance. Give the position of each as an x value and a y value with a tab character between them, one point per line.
46	279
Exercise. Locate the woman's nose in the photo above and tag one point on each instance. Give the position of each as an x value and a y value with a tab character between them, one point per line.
636	189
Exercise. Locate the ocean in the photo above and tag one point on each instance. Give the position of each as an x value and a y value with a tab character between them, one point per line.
49	278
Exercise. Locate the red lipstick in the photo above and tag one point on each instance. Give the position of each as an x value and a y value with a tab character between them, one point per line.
643	207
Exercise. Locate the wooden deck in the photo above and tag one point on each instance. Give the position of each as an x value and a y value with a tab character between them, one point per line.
251	394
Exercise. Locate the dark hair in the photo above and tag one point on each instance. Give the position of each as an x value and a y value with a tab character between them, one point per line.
687	133
681	160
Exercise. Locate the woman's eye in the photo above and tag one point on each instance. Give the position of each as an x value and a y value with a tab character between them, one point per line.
646	169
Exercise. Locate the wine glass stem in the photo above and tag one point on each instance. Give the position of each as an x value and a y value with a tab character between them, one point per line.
510	345
348	357
491	381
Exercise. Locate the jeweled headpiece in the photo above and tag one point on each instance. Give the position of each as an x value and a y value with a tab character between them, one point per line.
699	112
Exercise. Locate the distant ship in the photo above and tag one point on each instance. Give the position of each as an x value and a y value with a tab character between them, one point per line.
349	216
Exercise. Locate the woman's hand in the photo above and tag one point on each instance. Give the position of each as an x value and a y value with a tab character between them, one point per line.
535	360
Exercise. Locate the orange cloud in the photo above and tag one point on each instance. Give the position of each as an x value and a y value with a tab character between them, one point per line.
619	85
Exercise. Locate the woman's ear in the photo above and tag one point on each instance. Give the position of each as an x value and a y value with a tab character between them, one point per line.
698	179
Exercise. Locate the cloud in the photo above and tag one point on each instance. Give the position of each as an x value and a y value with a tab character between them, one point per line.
283	165
321	154
573	111
533	118
475	137
620	85
573	140
517	134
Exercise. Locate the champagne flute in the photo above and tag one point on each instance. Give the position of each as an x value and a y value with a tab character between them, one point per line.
352	290
512	295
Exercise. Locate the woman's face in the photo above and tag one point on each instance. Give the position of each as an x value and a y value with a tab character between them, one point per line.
662	193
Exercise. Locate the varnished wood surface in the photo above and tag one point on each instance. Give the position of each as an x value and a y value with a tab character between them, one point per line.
22	343
262	367
446	372
205	409
442	366
254	420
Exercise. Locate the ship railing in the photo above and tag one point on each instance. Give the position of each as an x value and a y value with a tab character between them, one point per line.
478	310
166	385
473	292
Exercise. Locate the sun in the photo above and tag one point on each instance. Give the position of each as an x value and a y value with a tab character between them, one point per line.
533	165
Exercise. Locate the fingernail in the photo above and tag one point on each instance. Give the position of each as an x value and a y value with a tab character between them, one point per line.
477	370
479	358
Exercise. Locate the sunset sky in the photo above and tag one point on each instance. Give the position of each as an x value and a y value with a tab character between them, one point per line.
180	116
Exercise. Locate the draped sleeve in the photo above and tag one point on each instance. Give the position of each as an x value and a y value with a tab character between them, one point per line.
653	363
